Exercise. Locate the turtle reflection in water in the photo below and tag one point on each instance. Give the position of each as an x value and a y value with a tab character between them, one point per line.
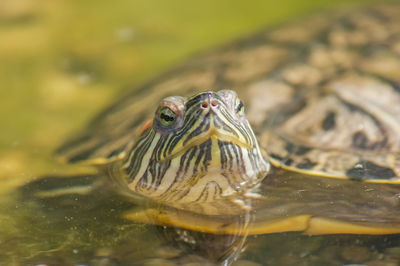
323	99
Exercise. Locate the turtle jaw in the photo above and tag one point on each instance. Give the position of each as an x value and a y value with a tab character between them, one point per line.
211	135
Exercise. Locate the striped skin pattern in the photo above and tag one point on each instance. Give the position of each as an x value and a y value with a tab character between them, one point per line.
209	151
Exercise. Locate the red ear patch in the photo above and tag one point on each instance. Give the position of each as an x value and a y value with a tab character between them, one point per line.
145	126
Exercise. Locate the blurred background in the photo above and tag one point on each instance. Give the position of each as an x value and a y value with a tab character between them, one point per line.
61	61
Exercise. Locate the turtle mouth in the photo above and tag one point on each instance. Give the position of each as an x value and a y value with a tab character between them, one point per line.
212	134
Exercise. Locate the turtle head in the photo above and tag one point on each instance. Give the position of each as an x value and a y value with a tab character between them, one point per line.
195	150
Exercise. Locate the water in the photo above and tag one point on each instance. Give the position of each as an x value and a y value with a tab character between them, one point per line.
62	62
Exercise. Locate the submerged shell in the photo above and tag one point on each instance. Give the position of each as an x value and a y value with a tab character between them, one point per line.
290	202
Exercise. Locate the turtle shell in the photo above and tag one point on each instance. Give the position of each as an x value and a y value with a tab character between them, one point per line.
323	97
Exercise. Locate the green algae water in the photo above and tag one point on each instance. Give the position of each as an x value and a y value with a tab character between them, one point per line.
64	61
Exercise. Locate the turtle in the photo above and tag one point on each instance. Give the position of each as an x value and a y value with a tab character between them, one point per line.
317	149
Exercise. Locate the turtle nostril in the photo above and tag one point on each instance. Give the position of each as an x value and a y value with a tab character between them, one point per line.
214	103
204	104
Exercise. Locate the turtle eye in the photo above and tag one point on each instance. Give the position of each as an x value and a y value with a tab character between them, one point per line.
239	107
167	117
